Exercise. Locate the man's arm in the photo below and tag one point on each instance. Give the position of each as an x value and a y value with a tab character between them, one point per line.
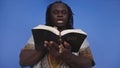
29	57
76	61
83	60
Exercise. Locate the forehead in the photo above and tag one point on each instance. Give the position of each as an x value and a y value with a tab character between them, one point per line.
59	6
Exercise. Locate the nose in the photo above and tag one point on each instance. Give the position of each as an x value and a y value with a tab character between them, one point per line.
60	14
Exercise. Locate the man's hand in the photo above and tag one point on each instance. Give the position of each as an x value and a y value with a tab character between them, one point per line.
52	48
58	51
64	47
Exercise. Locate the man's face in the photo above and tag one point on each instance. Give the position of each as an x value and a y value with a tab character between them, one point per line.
59	15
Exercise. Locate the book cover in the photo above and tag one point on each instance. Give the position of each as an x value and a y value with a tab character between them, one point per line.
74	37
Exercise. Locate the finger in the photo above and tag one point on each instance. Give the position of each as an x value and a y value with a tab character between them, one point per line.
54	44
67	45
53	48
61	48
45	43
51	45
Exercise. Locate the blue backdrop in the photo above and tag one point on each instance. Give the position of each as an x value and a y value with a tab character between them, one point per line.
99	18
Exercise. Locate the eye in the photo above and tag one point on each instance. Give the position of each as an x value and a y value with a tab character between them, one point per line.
55	12
64	12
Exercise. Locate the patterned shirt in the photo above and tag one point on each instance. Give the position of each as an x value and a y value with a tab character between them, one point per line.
46	62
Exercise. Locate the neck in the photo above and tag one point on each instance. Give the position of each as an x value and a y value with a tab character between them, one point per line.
61	28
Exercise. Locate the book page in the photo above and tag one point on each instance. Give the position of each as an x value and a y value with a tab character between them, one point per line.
72	31
49	28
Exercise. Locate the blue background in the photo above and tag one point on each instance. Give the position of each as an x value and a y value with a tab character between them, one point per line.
99	18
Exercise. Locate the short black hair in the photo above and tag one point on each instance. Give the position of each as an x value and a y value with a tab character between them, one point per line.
70	15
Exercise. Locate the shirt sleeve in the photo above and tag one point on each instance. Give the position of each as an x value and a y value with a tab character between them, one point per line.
30	44
86	52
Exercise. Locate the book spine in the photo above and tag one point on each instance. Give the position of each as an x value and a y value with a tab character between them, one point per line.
60	39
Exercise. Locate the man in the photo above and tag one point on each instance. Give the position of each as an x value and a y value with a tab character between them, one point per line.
58	15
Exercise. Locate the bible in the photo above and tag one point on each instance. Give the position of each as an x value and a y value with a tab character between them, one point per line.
74	37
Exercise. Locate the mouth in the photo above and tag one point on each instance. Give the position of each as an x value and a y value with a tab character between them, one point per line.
59	21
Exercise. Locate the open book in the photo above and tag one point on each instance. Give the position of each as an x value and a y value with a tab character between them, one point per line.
74	37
